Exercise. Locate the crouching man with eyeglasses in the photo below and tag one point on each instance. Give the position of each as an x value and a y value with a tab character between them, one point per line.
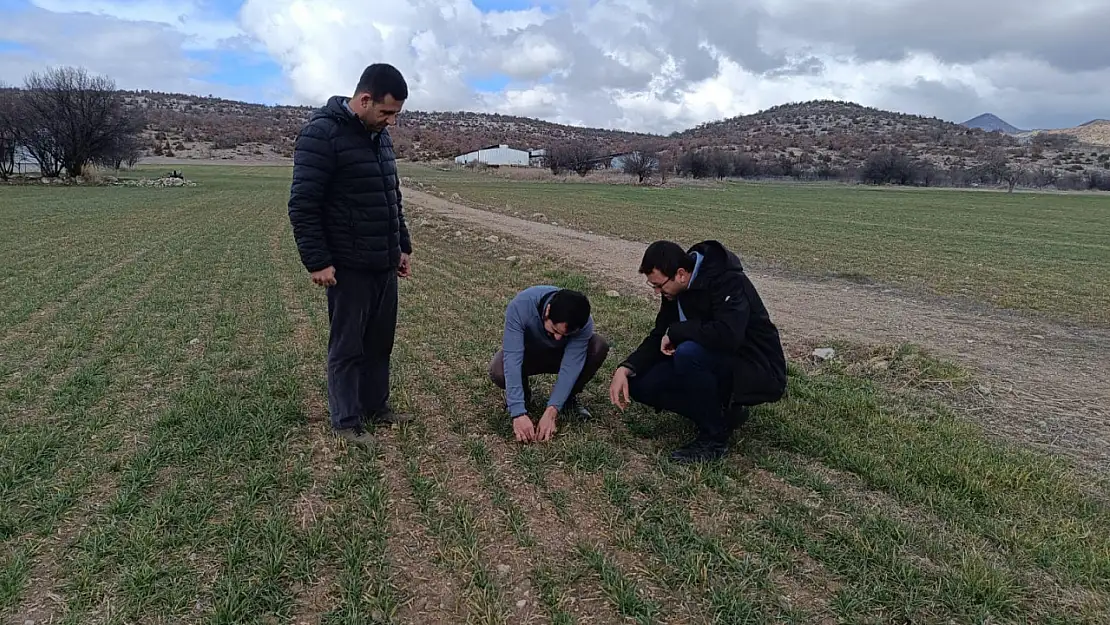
713	351
547	330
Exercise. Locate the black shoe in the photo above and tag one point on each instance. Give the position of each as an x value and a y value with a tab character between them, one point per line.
572	406
354	436
700	450
386	416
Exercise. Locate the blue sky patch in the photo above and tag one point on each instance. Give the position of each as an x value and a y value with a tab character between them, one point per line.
487	6
220	9
237	69
10	47
490	82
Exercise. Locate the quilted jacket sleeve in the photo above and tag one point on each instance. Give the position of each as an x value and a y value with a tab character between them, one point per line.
406	240
313	165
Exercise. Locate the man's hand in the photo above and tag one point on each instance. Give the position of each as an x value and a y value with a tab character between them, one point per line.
324	277
405	269
546	429
618	388
666	346
522	427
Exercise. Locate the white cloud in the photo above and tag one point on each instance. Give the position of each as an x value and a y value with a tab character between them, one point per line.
655	65
184	16
136	54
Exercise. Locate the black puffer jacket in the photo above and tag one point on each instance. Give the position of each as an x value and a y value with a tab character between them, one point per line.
345	200
724	313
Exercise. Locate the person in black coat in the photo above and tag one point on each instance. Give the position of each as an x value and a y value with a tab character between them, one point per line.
348	222
713	351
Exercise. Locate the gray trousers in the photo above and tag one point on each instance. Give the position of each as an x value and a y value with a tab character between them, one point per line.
362	311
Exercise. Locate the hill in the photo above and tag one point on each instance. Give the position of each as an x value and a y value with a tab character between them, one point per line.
815	139
992	123
200	127
1095	132
839	135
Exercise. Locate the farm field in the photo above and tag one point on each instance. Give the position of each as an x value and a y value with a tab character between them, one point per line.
164	454
1042	252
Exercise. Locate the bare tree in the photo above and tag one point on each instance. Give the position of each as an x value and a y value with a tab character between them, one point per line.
39	142
720	164
642	163
125	148
8	141
888	166
575	156
666	166
996	166
1042	177
71	118
1012	174
694	164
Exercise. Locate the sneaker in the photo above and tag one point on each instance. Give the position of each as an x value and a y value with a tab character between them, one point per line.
354	436
574	407
700	450
387	416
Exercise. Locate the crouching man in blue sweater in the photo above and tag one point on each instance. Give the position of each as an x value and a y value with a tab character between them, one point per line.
547	330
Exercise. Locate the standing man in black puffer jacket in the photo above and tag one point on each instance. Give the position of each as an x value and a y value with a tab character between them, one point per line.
345	208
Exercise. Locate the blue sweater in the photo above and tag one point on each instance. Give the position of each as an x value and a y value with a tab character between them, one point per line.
524	324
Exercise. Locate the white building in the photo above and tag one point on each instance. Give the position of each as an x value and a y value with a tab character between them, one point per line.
538	158
496	155
24	162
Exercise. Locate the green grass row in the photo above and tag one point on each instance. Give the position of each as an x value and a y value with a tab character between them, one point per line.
1043	252
158	463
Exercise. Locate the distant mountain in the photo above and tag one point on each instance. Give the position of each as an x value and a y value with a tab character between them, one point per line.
1095	121
992	123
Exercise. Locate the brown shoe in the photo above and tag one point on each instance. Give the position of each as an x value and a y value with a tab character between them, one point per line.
354	436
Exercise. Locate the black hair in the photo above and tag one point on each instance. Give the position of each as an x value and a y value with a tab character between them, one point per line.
382	79
666	256
569	307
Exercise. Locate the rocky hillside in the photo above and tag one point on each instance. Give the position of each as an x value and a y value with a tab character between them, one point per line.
1094	132
825	139
843	135
198	127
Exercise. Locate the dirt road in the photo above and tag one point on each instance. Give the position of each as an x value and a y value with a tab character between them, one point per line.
1049	383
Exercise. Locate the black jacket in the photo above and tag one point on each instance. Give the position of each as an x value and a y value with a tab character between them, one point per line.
724	313
345	200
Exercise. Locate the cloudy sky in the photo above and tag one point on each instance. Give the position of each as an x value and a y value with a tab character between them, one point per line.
651	65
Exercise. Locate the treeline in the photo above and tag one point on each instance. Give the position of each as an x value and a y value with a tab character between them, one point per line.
66	119
891	166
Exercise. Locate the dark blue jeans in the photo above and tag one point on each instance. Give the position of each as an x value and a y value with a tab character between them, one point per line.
694	383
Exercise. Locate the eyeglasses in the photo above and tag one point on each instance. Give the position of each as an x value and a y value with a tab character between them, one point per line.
659	286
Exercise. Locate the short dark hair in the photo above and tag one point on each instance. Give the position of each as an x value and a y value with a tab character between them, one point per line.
569	307
666	256
382	79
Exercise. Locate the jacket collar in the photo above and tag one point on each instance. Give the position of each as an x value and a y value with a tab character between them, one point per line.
543	302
